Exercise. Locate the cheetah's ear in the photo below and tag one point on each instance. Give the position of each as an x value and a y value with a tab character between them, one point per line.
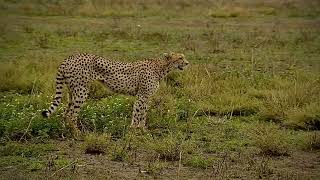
167	56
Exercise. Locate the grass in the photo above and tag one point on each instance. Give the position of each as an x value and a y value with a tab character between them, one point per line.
306	117
96	144
270	140
312	141
247	107
199	162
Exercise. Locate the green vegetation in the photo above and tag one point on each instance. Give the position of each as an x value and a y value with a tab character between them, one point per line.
96	144
247	107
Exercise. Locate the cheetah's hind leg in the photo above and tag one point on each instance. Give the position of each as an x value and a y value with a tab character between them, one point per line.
67	112
79	96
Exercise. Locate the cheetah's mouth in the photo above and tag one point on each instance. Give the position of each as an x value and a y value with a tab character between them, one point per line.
180	67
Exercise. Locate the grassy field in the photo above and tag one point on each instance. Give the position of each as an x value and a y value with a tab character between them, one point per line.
247	107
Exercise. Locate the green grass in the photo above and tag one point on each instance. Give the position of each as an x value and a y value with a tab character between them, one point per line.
25	156
250	97
270	139
96	144
198	161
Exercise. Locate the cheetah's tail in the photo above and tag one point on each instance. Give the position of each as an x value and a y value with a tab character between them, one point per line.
58	96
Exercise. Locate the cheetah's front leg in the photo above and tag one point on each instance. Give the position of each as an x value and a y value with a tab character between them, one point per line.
139	112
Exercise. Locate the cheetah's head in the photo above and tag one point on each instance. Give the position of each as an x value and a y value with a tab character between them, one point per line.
177	60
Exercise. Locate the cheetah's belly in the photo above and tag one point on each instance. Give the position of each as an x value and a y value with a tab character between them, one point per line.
122	83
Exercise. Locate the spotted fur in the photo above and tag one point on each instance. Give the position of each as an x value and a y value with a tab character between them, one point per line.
140	79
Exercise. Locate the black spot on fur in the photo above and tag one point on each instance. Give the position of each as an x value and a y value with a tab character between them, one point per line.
45	114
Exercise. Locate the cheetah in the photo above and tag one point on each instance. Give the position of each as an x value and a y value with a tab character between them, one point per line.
140	79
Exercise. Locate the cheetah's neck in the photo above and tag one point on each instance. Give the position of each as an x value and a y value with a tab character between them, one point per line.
163	68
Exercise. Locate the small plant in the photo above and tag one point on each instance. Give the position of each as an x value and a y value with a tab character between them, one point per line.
96	144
